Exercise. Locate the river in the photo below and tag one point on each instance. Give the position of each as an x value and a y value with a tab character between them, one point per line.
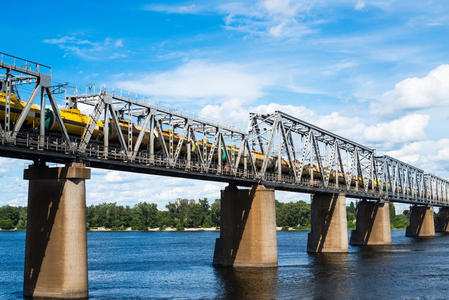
152	265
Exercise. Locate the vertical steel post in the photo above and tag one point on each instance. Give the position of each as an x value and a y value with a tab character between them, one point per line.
245	159
7	103
42	121
171	131
130	133
204	141
279	161
151	144
106	132
189	149
311	158
219	153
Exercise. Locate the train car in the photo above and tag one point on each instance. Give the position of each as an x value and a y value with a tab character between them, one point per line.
74	121
16	107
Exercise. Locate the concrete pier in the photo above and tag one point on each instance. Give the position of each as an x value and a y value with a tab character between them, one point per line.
373	224
329	225
248	228
56	248
421	222
442	223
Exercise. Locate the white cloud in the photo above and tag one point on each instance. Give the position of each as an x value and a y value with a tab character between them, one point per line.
99	50
275	18
415	93
338	67
174	9
201	79
131	188
287	8
408	128
118	43
6	164
430	155
384	134
234	112
360	5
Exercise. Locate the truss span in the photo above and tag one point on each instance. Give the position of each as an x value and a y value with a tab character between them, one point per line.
108	130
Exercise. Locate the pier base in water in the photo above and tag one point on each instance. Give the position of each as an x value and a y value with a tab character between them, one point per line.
248	228
373	224
421	222
442	223
56	248
329	231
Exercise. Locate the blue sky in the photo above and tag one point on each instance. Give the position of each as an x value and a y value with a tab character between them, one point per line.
373	71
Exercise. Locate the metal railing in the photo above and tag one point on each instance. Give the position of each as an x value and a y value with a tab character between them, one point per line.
24	64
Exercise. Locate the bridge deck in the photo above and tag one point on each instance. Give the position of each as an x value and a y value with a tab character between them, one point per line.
55	150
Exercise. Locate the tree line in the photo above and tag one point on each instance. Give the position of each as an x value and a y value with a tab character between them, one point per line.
182	214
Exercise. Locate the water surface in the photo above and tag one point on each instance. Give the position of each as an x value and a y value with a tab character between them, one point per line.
152	265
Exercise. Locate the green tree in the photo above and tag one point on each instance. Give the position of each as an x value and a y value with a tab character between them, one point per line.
9	217
145	215
216	212
392	210
350	212
292	214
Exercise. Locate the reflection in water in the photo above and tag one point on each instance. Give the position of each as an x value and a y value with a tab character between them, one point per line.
52	298
327	269
247	283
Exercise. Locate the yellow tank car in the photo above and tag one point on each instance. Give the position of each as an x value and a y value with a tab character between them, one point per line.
74	121
16	105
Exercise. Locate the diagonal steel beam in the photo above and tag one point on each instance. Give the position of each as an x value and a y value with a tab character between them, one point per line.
224	148
141	134
197	147
289	154
180	142
116	124
59	118
318	158
212	150
305	148
25	111
91	124
161	139
267	154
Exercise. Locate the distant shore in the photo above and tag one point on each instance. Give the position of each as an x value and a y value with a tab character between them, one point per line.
185	229
129	229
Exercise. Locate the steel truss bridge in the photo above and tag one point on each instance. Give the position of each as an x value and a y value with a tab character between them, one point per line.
277	150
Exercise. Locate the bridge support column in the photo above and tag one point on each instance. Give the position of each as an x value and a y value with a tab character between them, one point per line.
421	222
56	248
442	223
329	225
373	224
248	228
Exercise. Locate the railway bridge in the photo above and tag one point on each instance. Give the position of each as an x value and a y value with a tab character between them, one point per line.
105	129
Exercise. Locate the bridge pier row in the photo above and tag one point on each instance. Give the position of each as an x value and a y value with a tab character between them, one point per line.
56	242
248	228
372	225
329	232
442	223
421	222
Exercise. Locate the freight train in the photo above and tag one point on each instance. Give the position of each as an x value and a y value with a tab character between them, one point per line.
75	122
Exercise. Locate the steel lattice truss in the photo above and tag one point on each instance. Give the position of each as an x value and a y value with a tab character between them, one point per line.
123	133
183	140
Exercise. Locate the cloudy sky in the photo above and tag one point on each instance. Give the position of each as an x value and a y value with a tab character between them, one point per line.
373	71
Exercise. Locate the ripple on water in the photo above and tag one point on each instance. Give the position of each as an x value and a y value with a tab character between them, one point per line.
160	265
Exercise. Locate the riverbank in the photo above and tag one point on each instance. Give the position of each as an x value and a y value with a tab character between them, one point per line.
129	229
186	229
